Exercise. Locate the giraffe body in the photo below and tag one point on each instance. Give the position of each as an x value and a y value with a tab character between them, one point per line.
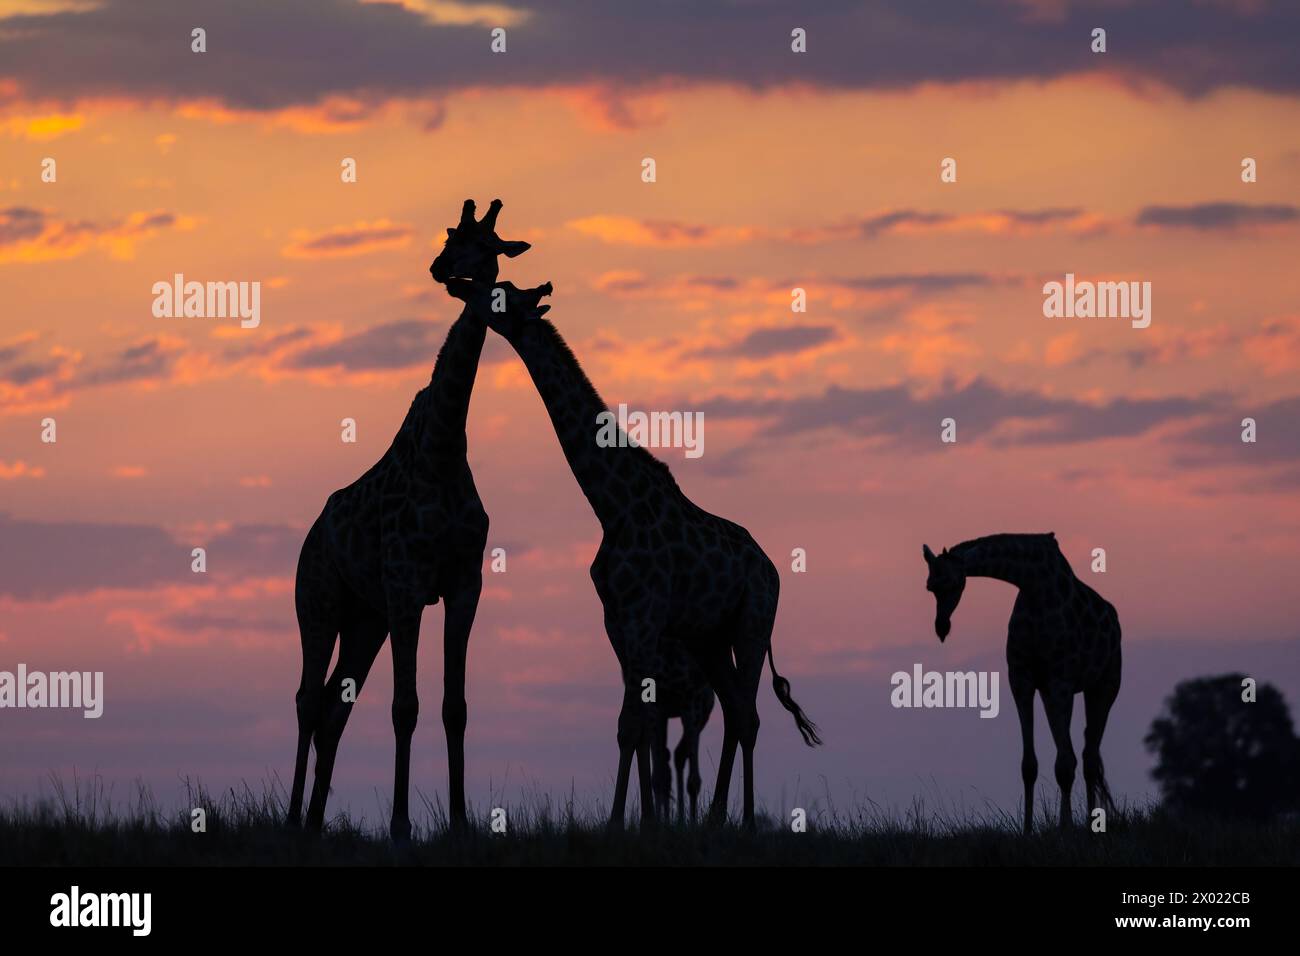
665	571
409	532
1063	639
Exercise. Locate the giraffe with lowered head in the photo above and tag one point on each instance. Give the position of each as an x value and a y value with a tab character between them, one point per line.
1063	640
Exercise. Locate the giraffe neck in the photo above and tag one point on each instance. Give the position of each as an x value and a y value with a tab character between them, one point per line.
446	399
1023	560
604	474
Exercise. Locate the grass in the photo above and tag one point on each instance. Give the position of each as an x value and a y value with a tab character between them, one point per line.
83	826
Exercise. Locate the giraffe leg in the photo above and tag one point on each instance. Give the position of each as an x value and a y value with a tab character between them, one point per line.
358	646
1023	692
1058	701
317	605
1096	708
629	719
716	663
699	719
661	778
317	648
750	677
681	755
406	712
649	718
753	641
459	613
635	638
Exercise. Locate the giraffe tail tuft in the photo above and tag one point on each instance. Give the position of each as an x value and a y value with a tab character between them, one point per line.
807	729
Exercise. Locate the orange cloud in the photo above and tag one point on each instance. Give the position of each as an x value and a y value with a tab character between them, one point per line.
624	230
29	234
930	344
1276	347
454	13
339	242
42	128
333	114
20	469
1005	222
609	109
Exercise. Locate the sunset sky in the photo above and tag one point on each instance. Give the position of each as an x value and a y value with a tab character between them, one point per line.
775	170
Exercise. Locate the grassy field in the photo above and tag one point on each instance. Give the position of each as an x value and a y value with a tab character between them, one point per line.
83	827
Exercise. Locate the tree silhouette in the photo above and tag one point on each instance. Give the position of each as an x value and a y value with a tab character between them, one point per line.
1221	754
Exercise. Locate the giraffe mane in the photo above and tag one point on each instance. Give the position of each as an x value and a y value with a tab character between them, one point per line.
639	453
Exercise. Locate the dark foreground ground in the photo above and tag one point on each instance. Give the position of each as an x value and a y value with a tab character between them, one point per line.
84	828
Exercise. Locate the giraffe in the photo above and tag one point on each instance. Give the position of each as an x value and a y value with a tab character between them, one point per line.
665	571
1063	639
684	693
408	532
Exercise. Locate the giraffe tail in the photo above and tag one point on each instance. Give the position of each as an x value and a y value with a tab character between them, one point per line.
807	729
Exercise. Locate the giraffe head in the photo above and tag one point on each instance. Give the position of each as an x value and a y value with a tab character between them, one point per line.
471	249
945	581
505	307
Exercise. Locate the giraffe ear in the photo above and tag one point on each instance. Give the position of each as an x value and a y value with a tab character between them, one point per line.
512	249
927	554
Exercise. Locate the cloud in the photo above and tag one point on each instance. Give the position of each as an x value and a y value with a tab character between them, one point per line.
293	53
1218	441
773	341
1000	222
463	14
662	233
357	239
923	283
1275	347
1218	216
28	234
19	469
985	412
42	560
29	380
392	345
151	360
41	128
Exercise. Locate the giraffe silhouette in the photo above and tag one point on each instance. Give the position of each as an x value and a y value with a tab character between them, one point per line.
408	532
666	570
684	693
1063	639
